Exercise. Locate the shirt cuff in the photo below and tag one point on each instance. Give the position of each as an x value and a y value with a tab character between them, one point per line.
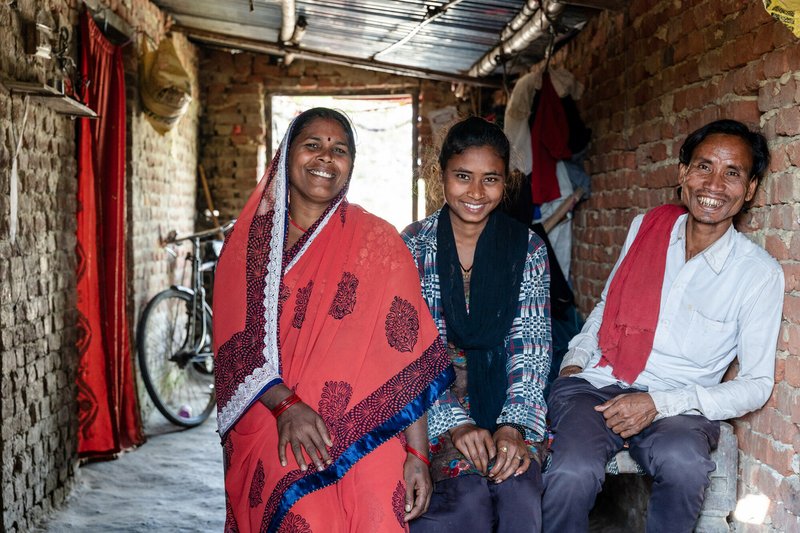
576	357
443	416
674	402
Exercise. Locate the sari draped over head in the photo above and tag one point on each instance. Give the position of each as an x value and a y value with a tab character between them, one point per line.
338	318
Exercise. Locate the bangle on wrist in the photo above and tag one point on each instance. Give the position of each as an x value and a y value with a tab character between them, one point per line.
518	427
418	455
285	404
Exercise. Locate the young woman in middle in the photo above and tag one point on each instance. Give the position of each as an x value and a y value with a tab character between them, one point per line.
485	279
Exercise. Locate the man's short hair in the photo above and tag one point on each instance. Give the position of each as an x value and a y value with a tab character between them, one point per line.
755	140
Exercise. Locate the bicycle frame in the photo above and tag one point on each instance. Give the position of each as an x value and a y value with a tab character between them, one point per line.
198	323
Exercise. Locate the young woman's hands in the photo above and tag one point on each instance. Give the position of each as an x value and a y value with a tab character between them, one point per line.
512	454
475	444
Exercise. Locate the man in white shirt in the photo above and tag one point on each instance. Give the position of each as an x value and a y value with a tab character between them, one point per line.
720	298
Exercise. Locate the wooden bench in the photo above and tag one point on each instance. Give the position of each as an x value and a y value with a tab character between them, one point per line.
720	498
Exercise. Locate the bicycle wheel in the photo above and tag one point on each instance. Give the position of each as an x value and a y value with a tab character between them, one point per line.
179	380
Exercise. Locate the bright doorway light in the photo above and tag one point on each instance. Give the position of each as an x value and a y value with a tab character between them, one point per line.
382	175
752	509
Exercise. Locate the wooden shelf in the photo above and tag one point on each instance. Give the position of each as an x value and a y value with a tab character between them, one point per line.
49	96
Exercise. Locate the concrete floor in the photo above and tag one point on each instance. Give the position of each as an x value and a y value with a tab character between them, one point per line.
171	483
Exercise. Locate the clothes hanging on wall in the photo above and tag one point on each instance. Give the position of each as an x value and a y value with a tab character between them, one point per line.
520	104
515	123
549	136
553	178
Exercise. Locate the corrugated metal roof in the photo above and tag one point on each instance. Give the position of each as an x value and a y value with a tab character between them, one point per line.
360	29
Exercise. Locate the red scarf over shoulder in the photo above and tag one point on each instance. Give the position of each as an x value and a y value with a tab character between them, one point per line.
634	297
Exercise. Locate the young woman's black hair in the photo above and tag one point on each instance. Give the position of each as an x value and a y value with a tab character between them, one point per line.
471	132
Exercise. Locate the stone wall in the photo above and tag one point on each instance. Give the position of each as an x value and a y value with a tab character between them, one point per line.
654	73
236	132
37	281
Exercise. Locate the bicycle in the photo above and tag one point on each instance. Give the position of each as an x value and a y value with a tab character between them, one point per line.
173	337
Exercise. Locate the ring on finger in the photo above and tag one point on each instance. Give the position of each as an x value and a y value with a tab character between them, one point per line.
504	449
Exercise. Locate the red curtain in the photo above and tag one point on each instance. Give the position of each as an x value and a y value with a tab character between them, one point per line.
108	412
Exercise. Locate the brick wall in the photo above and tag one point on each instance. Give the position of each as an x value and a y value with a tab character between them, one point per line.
236	92
162	185
654	73
38	442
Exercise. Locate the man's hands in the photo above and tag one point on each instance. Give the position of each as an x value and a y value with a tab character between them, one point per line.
506	445
628	414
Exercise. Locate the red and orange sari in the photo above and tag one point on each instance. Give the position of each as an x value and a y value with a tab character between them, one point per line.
339	318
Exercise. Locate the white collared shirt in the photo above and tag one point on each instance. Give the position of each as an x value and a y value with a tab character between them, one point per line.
723	303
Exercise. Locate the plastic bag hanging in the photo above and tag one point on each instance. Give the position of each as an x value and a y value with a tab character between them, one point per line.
787	12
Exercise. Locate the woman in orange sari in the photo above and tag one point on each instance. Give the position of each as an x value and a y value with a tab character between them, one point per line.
325	345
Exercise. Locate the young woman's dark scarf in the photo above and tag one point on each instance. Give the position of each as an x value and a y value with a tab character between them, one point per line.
494	298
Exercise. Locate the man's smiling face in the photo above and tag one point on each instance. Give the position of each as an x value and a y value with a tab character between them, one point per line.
717	181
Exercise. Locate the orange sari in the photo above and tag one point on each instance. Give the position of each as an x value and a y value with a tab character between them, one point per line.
339	318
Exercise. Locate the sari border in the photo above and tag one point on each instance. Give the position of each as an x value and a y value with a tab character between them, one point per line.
225	418
272	281
363	446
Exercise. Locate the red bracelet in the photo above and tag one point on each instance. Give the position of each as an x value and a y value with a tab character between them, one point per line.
285	404
418	455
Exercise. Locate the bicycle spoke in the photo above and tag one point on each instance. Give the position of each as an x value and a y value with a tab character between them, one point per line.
182	393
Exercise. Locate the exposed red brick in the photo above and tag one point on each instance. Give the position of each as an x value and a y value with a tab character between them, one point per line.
791	273
745	110
786	217
777	62
787	121
791	308
763	40
777	247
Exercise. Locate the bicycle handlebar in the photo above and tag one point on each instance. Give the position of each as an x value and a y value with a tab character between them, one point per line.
172	237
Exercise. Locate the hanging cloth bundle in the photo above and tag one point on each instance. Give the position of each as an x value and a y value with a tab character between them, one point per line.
549	143
165	86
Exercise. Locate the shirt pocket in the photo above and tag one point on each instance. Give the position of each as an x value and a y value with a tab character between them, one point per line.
708	340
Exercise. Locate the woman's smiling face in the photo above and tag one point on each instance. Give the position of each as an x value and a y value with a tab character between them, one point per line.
474	182
319	162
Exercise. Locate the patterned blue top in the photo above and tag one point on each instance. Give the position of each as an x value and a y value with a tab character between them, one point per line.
527	343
